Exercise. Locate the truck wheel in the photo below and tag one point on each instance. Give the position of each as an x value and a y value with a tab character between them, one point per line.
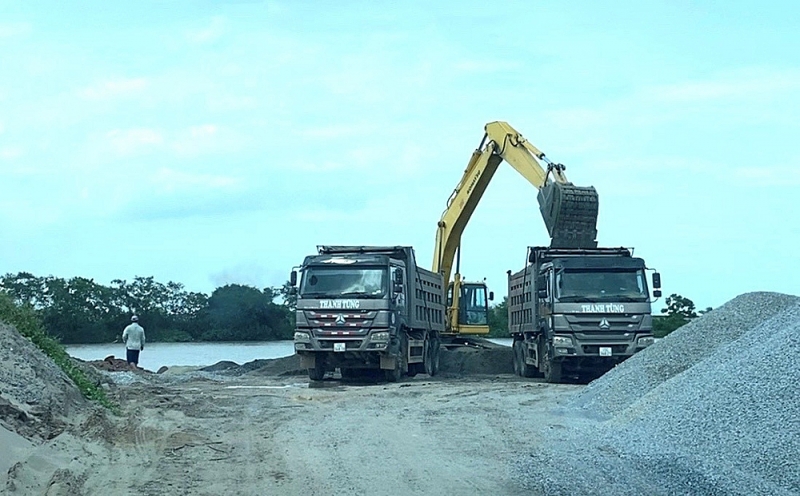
552	369
394	374
427	360
317	373
435	350
525	369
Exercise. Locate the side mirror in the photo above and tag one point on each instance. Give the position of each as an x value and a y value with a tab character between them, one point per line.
491	295
656	280
542	293
398	277
532	256
657	293
293	278
293	291
398	288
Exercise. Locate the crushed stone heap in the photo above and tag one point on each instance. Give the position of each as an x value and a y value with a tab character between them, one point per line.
713	408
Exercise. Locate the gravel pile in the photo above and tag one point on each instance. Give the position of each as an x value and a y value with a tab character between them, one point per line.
711	409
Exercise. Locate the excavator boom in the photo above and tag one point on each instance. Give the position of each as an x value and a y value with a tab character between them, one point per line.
569	211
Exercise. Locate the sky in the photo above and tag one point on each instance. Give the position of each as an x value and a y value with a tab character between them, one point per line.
212	142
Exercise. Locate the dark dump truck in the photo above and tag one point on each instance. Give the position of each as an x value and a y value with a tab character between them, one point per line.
368	307
579	312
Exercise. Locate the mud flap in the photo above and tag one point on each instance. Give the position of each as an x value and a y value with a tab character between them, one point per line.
307	361
387	362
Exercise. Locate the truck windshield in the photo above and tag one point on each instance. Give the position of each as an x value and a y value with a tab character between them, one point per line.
584	285
354	282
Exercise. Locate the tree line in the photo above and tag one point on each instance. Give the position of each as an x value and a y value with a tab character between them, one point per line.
80	310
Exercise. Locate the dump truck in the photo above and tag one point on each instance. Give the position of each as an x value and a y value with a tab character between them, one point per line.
367	307
579	311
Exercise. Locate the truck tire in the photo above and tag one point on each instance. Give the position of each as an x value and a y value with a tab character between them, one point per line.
552	369
435	350
317	373
517	353
394	374
525	369
427	360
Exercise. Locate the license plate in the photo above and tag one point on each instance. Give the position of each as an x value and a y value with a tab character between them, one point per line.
605	351
343	347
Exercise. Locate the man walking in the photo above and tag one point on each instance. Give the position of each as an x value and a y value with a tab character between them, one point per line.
133	335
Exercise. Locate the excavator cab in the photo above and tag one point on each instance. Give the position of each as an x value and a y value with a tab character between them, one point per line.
470	312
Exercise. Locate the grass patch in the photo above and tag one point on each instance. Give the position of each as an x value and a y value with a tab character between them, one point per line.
27	323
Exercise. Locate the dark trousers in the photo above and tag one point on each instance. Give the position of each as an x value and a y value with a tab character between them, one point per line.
133	356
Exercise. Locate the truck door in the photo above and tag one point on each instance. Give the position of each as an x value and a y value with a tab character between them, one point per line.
397	286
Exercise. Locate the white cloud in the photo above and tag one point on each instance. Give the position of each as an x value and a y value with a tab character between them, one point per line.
114	88
769	176
215	29
231	102
486	66
9	30
169	180
334	131
206	138
10	153
129	141
746	85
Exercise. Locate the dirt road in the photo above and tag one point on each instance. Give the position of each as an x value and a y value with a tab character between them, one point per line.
215	434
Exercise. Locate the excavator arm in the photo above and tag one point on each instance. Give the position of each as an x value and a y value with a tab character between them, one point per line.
569	212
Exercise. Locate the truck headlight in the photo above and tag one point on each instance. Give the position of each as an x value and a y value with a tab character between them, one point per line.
646	341
562	341
382	336
302	337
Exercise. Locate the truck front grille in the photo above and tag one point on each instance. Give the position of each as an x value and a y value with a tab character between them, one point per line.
352	344
592	349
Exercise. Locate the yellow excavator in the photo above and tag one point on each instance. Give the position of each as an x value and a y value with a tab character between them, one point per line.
569	213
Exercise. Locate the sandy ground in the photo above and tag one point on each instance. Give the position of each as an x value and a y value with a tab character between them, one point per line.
210	433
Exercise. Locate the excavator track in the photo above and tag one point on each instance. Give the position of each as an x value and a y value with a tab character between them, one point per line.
570	214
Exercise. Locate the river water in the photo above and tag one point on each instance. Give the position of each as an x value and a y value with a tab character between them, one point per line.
156	355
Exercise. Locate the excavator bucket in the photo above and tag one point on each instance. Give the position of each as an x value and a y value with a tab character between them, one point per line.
570	214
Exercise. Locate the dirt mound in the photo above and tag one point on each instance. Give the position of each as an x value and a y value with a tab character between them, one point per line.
37	396
493	359
113	364
469	361
710	409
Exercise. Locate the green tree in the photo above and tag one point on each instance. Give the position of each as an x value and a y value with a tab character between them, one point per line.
498	319
678	312
243	313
